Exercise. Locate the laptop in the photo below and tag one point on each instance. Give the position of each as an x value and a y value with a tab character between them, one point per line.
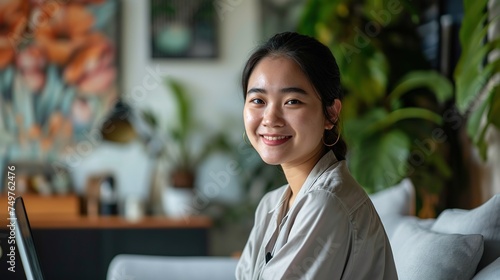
25	243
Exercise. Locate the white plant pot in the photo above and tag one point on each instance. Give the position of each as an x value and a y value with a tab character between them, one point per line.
177	202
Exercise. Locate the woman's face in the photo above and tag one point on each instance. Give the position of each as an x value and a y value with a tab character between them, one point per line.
283	114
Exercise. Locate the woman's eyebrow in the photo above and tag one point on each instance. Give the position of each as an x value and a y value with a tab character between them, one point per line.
282	90
256	90
293	89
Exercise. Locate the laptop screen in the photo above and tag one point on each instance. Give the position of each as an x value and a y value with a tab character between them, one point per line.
25	243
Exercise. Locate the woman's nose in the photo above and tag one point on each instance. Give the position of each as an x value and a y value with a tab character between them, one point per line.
273	117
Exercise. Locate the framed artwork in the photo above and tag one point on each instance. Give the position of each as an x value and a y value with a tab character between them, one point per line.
183	29
58	75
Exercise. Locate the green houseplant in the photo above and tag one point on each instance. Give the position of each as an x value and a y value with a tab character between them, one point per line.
477	93
390	108
177	139
176	153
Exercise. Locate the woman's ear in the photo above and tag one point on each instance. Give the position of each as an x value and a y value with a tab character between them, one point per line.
333	113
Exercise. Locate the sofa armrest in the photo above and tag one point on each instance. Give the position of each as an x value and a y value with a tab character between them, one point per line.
165	267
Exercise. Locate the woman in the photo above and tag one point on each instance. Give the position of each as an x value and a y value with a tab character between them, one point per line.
321	225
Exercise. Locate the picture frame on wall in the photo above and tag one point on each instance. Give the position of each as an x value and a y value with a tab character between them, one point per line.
58	77
183	29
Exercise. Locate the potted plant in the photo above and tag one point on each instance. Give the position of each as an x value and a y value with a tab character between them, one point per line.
174	144
390	109
477	91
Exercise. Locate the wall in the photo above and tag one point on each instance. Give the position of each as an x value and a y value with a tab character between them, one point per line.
213	86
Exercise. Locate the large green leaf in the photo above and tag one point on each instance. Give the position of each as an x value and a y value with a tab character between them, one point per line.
437	83
402	114
316	11
493	117
382	161
470	82
474	122
183	105
474	18
350	107
373	11
364	74
477	110
471	74
355	128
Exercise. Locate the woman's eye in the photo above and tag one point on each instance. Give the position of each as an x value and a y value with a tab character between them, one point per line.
257	101
293	102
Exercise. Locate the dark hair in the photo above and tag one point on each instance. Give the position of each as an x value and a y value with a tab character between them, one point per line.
317	62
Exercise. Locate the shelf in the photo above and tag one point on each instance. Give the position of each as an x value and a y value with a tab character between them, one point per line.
62	212
57	205
116	222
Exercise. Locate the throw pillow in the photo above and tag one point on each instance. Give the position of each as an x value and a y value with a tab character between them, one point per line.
492	271
422	254
394	203
484	220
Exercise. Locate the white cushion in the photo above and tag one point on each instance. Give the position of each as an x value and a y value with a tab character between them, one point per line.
422	254
492	271
484	220
394	204
178	268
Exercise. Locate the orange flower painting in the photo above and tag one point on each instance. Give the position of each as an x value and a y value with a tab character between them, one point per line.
13	20
58	72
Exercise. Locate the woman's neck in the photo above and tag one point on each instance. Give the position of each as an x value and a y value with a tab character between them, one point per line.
296	175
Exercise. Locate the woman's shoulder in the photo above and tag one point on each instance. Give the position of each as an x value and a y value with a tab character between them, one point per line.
338	182
336	178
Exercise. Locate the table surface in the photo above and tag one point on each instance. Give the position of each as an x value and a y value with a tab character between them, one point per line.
115	222
62	212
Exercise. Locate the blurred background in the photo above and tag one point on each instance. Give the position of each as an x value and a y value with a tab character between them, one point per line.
133	108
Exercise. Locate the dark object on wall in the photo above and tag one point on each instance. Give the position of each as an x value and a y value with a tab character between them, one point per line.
183	29
118	128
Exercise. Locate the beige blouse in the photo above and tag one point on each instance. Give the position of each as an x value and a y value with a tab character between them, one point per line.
332	231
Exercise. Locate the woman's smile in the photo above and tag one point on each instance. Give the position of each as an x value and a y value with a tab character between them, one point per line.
275	140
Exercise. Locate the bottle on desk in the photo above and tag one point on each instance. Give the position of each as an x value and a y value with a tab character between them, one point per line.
101	197
108	201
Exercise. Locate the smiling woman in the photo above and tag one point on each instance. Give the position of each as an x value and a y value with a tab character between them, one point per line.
280	93
321	225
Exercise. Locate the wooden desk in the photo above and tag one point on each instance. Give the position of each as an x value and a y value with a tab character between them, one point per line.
79	247
47	206
113	222
62	212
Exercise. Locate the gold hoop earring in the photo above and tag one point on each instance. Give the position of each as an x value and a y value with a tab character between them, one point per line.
338	138
245	139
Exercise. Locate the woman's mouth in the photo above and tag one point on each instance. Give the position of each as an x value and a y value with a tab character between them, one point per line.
273	140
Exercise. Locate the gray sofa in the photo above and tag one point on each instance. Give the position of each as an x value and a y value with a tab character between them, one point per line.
458	244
